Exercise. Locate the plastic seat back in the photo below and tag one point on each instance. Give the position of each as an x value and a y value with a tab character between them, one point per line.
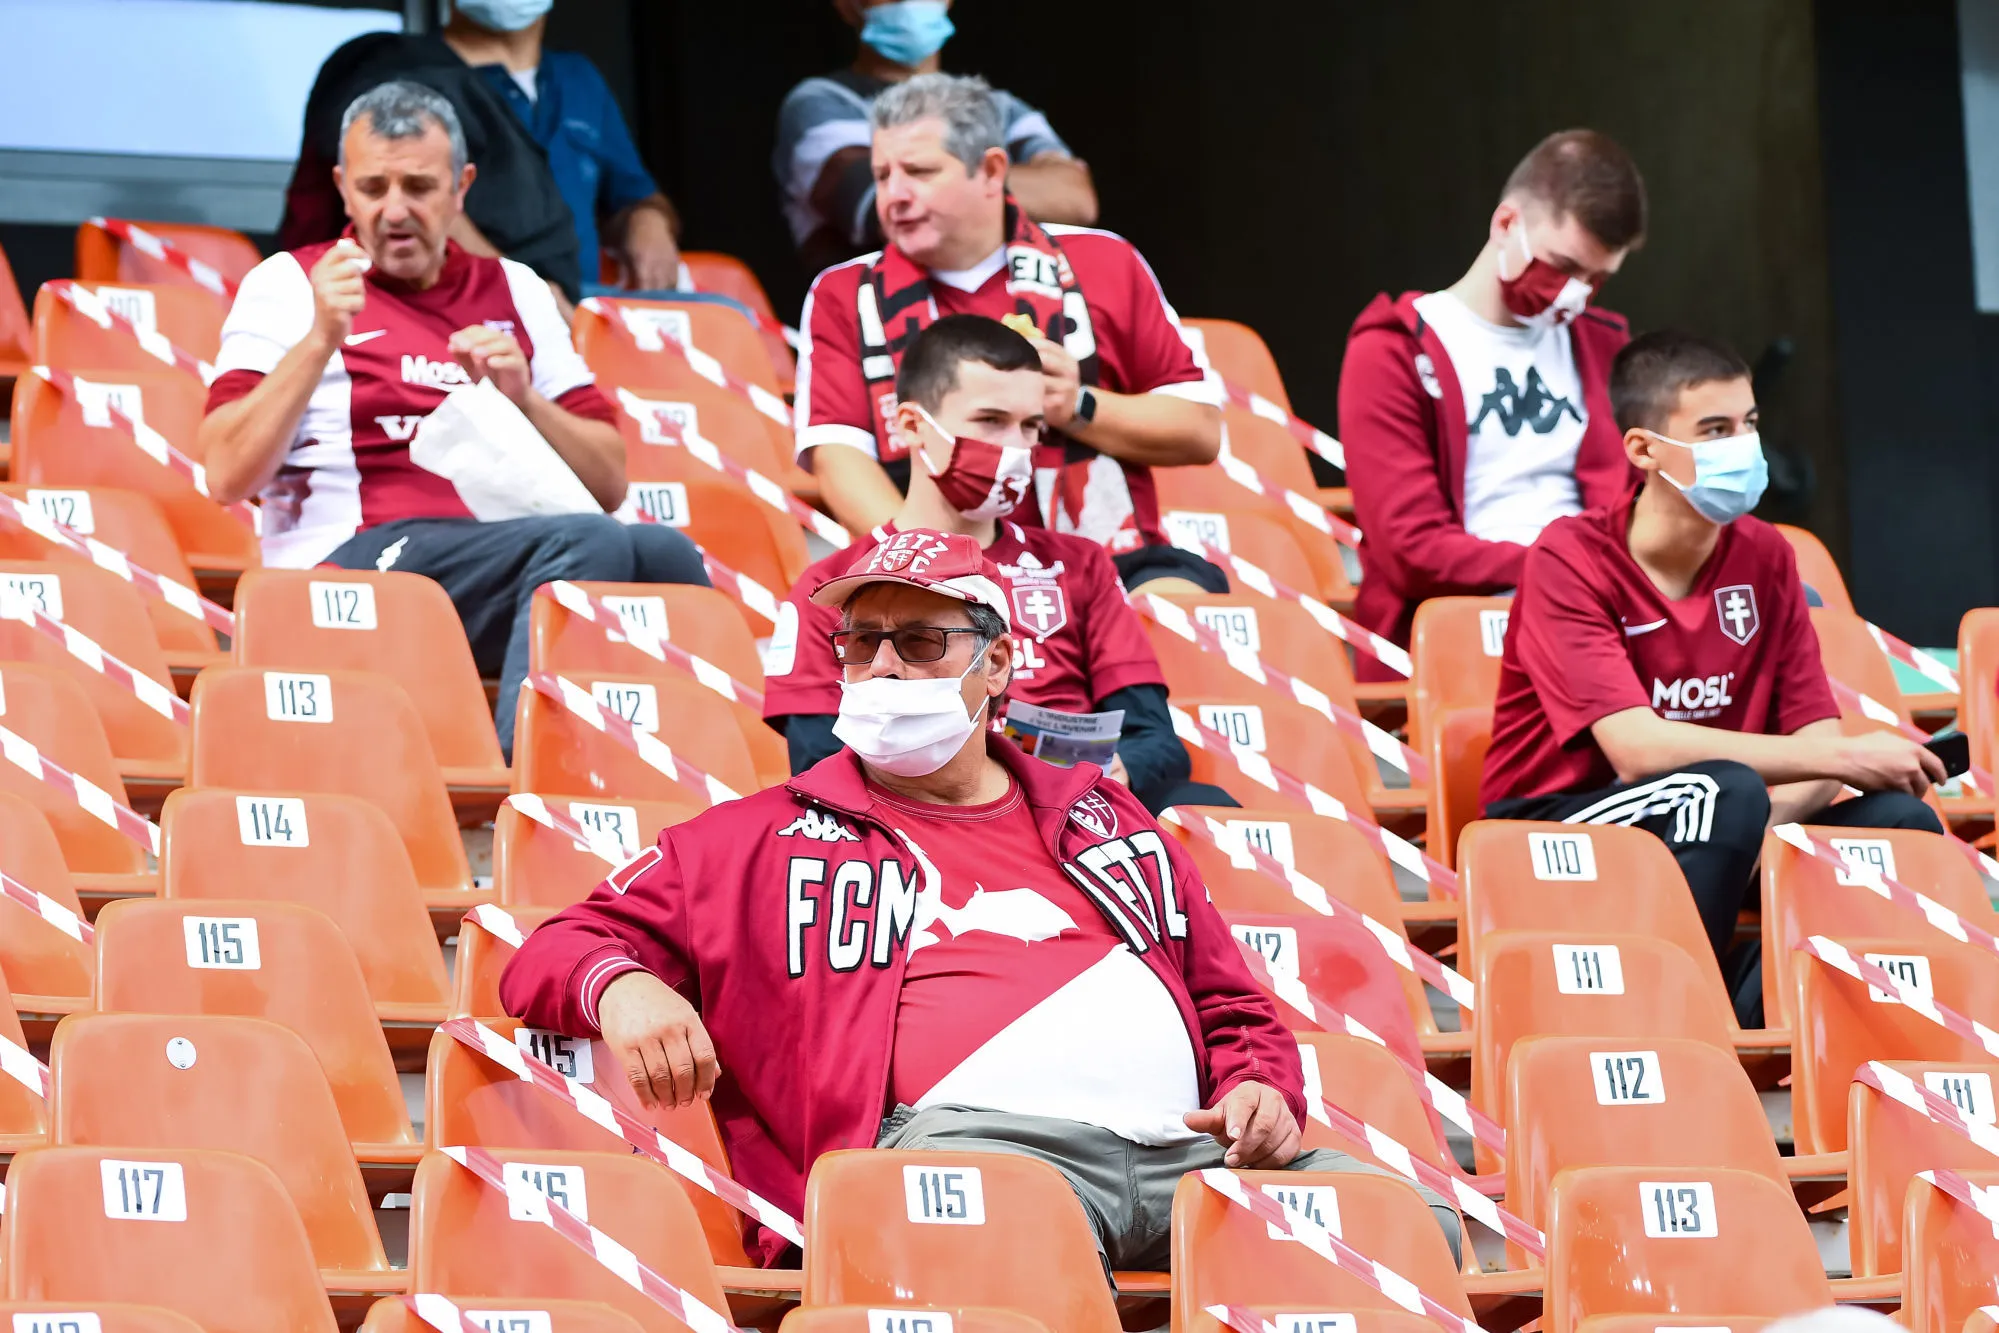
1246	528
728	523
655	420
1531	875
103	257
726	275
703	621
188	317
196	958
210	1234
1367	1081
1455	645
401	625
1669	1102
1853	659
952	1228
1889	1144
1270	449
1293	737
16	335
203	1081
482	957
48	970
1803	896
1223	1253
1342	965
1651	1323
534	865
1841	1026
1216	502
103	607
338	854
1239	355
869	1319
61	442
1334	853
725	334
557	751
1638	1239
45	707
350	733
462	1237
61	1317
24	1117
1953	1255
1978	679
390	1315
1459	738
1817	568
1283	634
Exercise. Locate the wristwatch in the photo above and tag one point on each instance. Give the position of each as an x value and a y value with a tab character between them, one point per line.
1086	405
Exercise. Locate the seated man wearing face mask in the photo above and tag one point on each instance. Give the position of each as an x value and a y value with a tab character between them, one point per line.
1660	668
930	940
969	406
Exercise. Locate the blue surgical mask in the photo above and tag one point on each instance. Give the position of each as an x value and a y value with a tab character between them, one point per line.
502	15
1729	475
908	32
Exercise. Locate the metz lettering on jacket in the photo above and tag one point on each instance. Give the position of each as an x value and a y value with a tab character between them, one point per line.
1590	635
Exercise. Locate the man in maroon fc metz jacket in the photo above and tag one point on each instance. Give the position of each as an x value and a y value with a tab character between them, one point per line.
1475	416
931	940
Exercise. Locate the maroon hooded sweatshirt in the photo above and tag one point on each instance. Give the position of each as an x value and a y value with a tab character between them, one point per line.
1403	424
734	910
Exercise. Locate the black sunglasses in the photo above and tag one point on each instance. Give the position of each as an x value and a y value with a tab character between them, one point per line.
913	643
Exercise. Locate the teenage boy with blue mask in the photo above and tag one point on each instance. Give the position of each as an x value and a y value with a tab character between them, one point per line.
822	161
1661	670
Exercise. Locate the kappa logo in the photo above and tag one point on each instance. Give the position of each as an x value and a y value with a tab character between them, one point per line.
1533	407
1095	813
1039	608
435	374
399	427
1735	612
820	825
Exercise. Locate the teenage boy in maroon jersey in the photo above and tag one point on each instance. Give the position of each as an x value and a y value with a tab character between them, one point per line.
1661	670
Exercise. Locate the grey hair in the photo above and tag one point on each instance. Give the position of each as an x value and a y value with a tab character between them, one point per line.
405	110
964	102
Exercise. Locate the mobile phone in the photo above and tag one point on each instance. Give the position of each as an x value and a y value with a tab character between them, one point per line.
1954	748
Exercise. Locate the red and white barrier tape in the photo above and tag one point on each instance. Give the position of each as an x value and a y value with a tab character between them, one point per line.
1875	711
594	1107
164	250
655	645
1981	1199
1173	617
160	698
441	1314
741	587
704	450
92	799
589	840
1893	890
1915	659
612	312
499	923
1261	771
1836	955
1257	579
156	344
20	1064
529	1203
174	593
1314	439
1897	1086
1291	1223
1245	475
48	909
651	751
155	446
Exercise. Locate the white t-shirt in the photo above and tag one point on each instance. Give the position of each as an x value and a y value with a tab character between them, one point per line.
525	78
1525	415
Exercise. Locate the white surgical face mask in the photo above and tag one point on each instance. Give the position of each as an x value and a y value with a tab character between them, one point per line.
910	728
1730	475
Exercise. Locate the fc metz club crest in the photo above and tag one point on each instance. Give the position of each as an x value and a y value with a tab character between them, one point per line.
1735	608
1094	813
1039	608
896	560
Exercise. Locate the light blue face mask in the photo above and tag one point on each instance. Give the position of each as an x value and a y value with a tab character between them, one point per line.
1729	475
908	32
502	15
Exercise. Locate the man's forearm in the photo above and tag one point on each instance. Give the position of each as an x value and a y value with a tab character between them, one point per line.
1153	429
243	443
1798	802
1639	743
594	451
1054	188
854	487
466	232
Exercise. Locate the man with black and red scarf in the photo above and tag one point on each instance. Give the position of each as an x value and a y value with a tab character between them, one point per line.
1123	391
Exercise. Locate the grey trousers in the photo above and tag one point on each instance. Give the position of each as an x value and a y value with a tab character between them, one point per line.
1126	1188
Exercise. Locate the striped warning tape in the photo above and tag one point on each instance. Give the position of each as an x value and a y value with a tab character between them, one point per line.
1875	711
626	319
1314	439
654	643
499	923
1914	658
164	250
92	799
1340	627
441	1314
603	847
48	909
19	1063
1893	1083
1893	890
154	695
94	308
1244	474
651	751
175	594
1836	955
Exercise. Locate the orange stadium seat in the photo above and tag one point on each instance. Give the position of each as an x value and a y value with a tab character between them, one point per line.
1013	1236
1803	896
245	1085
536	866
912	1319
1854	660
1283	634
482	957
556	751
1978	679
48	970
726	522
1667	1102
1642	1239
1658	1323
1817	568
1455	644
59	442
47	1317
401	625
703	621
102	257
1840	1026
83	1224
1290	735
133	525
1335	854
1338	961
1239	355
1200	502
16	334
150	748
49	710
1365	1080
24	1116
469	1099
1889	1144
348	732
652	422
1222	1253
1271	450
726	275
337	854
1947	1286
195	958
462	1237
390	1315
1459	738
187	317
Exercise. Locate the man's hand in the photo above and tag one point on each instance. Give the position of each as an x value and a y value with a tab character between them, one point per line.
1884	761
1253	1123
1060	382
489	354
338	292
1117	772
658	1038
651	253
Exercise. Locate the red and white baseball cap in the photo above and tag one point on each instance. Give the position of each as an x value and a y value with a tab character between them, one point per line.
949	563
